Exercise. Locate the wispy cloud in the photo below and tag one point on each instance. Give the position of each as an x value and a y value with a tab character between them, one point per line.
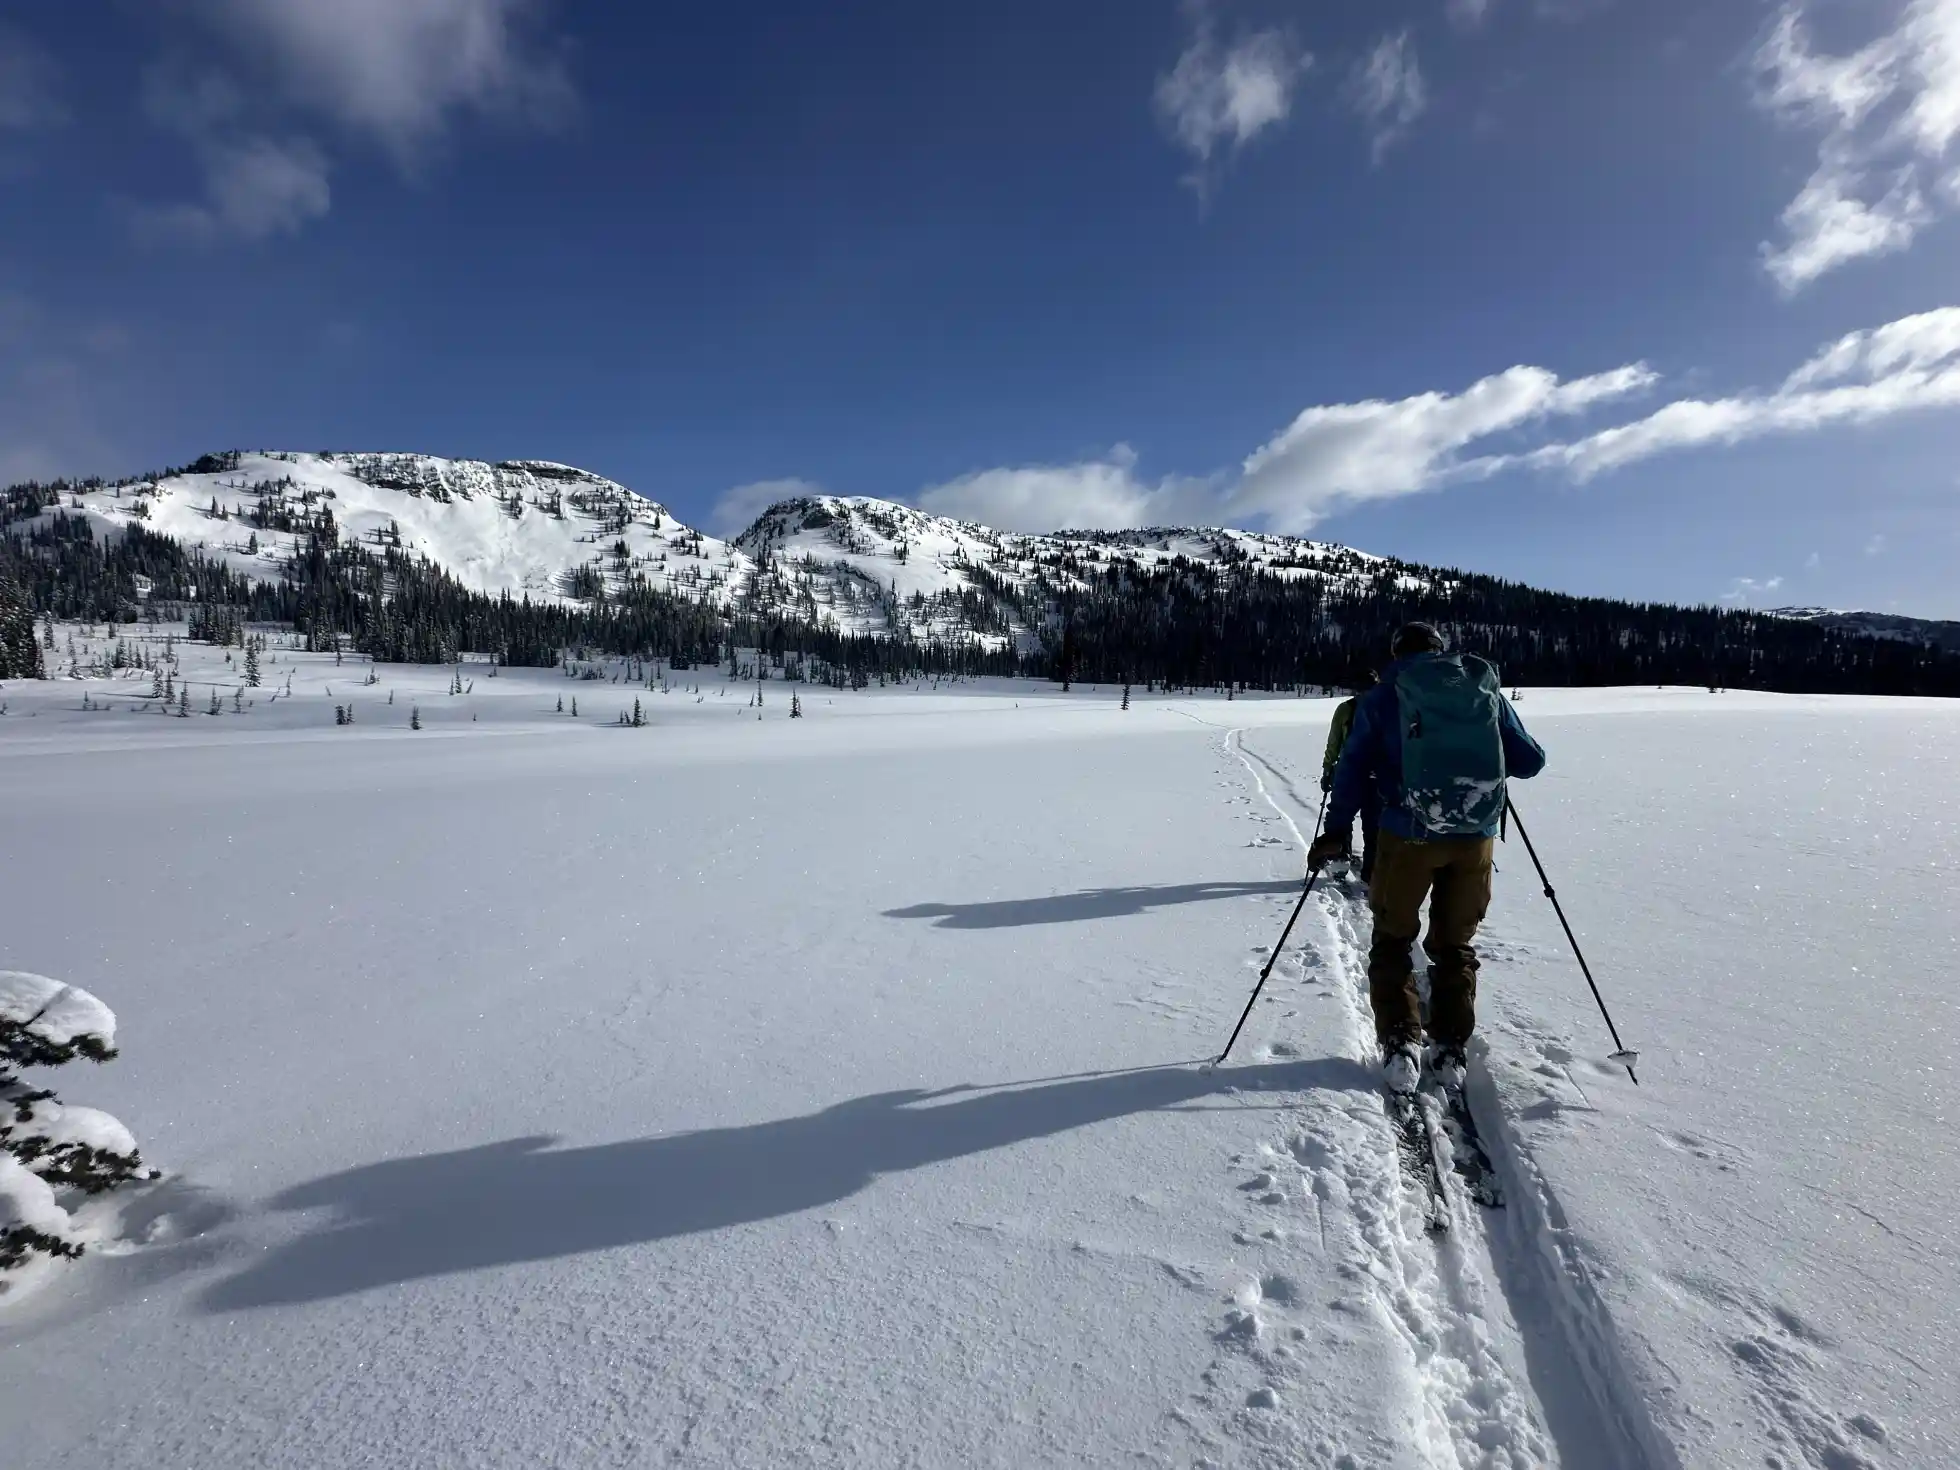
1105	493
1333	457
1467	15
399	70
1907	365
30	84
1876	546
1911	344
285	74
51	395
1888	114
255	188
1387	90
1220	96
1750	590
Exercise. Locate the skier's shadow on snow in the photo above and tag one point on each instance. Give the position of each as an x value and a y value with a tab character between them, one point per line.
526	1200
1090	903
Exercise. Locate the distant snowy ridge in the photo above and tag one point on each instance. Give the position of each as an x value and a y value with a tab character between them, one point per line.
1930	631
877	566
554	532
530	528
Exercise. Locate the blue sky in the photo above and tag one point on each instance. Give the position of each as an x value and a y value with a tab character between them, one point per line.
1649	299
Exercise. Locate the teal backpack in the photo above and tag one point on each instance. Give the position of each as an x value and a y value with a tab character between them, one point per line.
1452	747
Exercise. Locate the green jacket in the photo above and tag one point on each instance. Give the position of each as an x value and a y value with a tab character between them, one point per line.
1337	734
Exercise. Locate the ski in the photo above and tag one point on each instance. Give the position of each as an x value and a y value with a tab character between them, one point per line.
1466	1147
1415	1145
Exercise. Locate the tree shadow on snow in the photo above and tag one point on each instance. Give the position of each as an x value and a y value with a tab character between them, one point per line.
526	1200
1090	903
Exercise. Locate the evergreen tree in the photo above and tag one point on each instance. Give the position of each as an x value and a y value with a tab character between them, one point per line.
415	717
252	664
20	645
45	1147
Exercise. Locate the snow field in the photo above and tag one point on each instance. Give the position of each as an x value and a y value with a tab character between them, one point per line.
758	1092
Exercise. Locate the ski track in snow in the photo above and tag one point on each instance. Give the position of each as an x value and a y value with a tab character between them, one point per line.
1466	1374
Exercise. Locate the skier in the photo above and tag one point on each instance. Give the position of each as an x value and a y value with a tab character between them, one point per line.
1434	742
1371	802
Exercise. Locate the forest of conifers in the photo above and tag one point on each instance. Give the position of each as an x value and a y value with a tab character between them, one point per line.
1184	624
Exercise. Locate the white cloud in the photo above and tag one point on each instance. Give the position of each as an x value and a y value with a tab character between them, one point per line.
1386	88
1222	97
1344	454
397	70
1889	114
1089	495
30	84
1914	342
1748	589
1907	365
1812	562
255	185
394	72
738	508
1336	456
255	188
1330	457
1467	14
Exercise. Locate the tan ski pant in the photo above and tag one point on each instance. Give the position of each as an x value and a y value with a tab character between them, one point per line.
1453	874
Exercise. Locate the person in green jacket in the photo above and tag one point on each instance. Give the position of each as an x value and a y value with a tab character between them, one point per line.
1371	806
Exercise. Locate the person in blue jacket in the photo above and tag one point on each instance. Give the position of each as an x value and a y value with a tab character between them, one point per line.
1443	719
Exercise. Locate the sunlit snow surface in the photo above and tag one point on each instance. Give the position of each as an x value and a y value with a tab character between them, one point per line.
754	1091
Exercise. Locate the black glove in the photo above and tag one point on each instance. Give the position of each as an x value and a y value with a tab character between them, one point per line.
1327	782
1328	847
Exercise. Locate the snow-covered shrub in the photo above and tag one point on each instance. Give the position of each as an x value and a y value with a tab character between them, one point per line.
46	1146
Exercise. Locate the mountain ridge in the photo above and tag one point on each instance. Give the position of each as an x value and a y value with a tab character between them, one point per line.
416	558
1932	632
551	531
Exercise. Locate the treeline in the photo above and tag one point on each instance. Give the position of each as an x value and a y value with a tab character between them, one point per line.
1189	624
405	609
1179	624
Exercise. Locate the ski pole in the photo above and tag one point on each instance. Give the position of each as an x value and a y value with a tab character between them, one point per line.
1312	874
1623	1056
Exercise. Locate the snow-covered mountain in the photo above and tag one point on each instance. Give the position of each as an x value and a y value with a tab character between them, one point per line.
876	566
526	527
1930	631
554	532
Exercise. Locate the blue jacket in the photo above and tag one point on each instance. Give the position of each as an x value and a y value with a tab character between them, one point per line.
1371	761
